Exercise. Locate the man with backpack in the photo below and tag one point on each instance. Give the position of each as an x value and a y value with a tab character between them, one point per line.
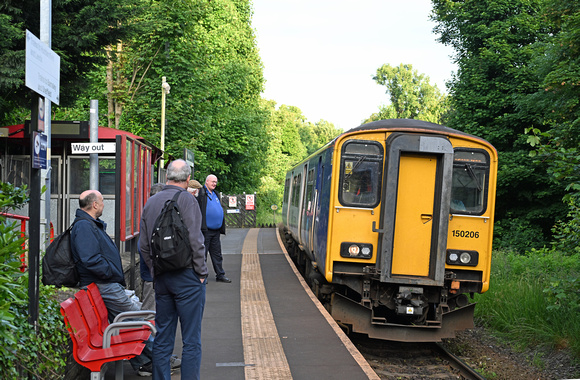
179	285
98	260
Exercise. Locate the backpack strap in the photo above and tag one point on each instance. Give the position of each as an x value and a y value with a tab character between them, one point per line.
176	196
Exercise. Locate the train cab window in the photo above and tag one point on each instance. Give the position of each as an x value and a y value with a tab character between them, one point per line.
361	173
470	181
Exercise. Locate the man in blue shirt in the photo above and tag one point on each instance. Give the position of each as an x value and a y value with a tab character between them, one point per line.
212	225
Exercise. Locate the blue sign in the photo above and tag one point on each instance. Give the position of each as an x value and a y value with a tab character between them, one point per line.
39	147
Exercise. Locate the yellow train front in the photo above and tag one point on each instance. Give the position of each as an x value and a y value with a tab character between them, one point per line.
392	225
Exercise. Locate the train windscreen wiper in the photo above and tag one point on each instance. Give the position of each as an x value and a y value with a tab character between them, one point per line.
356	165
473	176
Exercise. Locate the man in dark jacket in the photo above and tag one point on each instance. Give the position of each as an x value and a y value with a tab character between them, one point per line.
98	260
213	225
179	293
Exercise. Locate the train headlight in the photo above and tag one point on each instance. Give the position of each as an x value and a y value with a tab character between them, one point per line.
465	258
353	250
462	257
356	250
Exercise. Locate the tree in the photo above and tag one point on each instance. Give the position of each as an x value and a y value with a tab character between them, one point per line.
556	107
495	42
81	30
411	95
207	52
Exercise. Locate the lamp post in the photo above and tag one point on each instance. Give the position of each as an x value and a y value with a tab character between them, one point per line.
165	87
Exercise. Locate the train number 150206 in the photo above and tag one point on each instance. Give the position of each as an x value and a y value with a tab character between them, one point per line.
466	234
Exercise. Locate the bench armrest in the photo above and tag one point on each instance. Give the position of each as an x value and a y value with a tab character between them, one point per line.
113	329
145	314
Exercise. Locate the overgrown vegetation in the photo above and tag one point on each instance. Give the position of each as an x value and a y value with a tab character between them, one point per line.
24	351
534	299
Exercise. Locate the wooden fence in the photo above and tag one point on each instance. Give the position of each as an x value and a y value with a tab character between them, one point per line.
240	210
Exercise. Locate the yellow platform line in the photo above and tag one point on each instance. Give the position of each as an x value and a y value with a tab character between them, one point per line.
263	353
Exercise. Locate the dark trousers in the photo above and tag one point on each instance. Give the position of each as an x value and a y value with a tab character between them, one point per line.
214	246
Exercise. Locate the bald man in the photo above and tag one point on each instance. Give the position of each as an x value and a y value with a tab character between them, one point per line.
213	225
98	260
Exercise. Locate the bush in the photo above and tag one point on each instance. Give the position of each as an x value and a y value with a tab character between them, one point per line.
534	299
23	350
517	235
264	201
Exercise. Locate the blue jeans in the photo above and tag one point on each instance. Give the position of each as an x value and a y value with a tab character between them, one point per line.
178	294
117	301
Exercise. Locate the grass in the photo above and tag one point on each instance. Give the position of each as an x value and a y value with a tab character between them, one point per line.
534	299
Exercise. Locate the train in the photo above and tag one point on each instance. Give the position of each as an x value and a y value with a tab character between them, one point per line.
391	224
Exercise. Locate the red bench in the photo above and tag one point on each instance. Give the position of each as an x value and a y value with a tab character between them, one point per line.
95	344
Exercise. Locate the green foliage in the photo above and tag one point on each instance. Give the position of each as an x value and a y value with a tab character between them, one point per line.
208	54
291	139
12	197
314	136
556	108
517	235
411	95
496	42
23	350
534	299
81	29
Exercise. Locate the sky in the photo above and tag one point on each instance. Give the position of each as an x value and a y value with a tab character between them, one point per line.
321	55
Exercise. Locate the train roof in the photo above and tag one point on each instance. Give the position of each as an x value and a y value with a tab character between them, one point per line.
411	125
402	124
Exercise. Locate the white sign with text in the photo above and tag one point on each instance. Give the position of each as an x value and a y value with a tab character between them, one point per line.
98	147
42	73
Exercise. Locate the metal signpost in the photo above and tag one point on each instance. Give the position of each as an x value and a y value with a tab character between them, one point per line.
43	77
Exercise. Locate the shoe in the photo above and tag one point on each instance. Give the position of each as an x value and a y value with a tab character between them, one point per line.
146	370
223	279
175	362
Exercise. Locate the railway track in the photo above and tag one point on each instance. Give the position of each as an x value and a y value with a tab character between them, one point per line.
396	360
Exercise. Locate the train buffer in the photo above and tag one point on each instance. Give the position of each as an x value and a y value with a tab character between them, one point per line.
265	324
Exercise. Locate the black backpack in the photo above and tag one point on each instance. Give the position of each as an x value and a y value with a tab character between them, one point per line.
58	266
170	240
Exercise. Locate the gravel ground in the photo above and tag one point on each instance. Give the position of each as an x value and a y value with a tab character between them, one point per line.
496	360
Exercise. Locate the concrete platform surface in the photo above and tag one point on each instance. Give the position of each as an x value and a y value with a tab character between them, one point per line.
267	324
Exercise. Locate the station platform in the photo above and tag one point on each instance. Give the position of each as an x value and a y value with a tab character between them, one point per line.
267	324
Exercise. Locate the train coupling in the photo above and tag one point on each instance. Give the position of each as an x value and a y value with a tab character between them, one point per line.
410	301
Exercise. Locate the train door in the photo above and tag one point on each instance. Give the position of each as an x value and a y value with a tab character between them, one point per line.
307	210
315	203
301	202
415	209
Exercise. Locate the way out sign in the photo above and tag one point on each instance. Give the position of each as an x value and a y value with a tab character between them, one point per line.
98	147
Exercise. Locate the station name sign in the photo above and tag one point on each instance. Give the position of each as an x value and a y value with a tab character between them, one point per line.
98	147
42	69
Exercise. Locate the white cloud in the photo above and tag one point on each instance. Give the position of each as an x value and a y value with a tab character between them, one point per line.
320	55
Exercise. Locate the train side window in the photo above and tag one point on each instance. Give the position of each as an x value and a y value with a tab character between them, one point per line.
470	181
309	188
296	190
361	173
286	189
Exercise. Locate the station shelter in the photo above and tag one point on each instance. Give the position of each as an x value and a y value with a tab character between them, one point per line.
125	176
